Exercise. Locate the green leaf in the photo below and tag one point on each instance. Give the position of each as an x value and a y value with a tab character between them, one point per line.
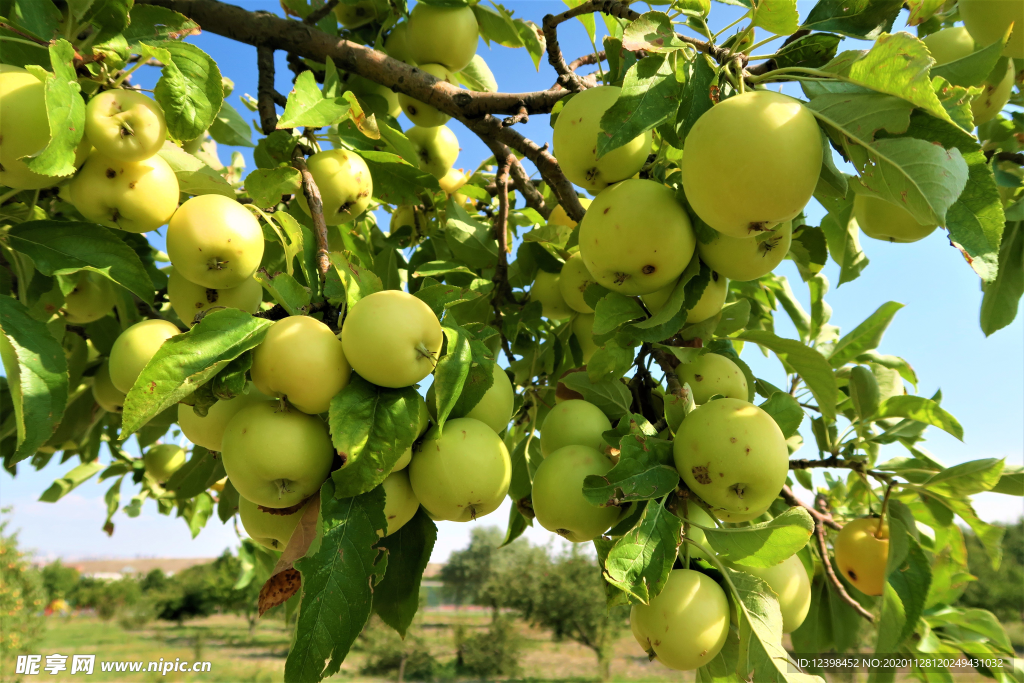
866	336
968	478
149	22
973	69
924	178
763	544
396	181
653	32
190	90
843	237
534	40
640	561
307	106
864	392
810	52
611	396
397	597
37	376
187	361
371	427
613	310
1011	482
1002	295
857	19
202	470
40	18
63	247
66	484
452	371
640	474
227	502
908	575
65	112
701	77
441	297
807	362
477	76
197	511
337	584
649	96
358	282
472	242
266	186
286	291
229	128
922	410
194	177
786	412
777	16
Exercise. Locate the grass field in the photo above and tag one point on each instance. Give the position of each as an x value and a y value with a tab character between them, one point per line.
238	658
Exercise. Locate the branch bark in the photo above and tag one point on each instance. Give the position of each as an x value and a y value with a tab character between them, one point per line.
316	210
265	90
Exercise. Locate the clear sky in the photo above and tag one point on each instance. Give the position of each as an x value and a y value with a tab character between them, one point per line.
937	332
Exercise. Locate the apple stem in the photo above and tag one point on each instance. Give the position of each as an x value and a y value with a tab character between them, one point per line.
282	487
422	349
126	129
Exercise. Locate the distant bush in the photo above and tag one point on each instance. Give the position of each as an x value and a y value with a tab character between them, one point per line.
388	654
495	652
22	599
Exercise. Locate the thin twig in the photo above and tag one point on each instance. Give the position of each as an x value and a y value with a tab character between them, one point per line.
318	14
265	89
278	312
534	199
586	60
668	364
521	116
567	78
316	210
502	291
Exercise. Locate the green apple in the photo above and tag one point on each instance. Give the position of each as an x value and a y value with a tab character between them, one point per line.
92	298
134	196
573	281
575	140
862	552
791	585
107	396
270	530
125	125
24	129
949	44
985	106
442	35
397	43
881	220
189	300
163	460
345	185
415	217
302	361
733	455
636	238
276	457
686	624
424	421
564	393
743	258
695	514
463	474
452	180
400	503
558	499
134	348
547	290
392	339
436	147
708	306
987	21
494	408
214	242
558	216
208	431
713	374
420	113
762	144
583	330
574	423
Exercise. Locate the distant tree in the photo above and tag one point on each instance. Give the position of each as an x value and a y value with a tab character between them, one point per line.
59	580
155	580
22	598
466	571
997	590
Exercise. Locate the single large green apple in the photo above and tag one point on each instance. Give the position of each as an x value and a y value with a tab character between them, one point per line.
558	499
574	423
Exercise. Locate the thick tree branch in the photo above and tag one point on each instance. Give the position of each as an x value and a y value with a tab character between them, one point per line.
265	90
316	210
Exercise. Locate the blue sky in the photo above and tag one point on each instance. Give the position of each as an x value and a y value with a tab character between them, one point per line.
937	332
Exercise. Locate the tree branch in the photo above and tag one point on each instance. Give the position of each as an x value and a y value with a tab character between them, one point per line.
265	103
316	210
585	60
534	199
566	77
316	15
